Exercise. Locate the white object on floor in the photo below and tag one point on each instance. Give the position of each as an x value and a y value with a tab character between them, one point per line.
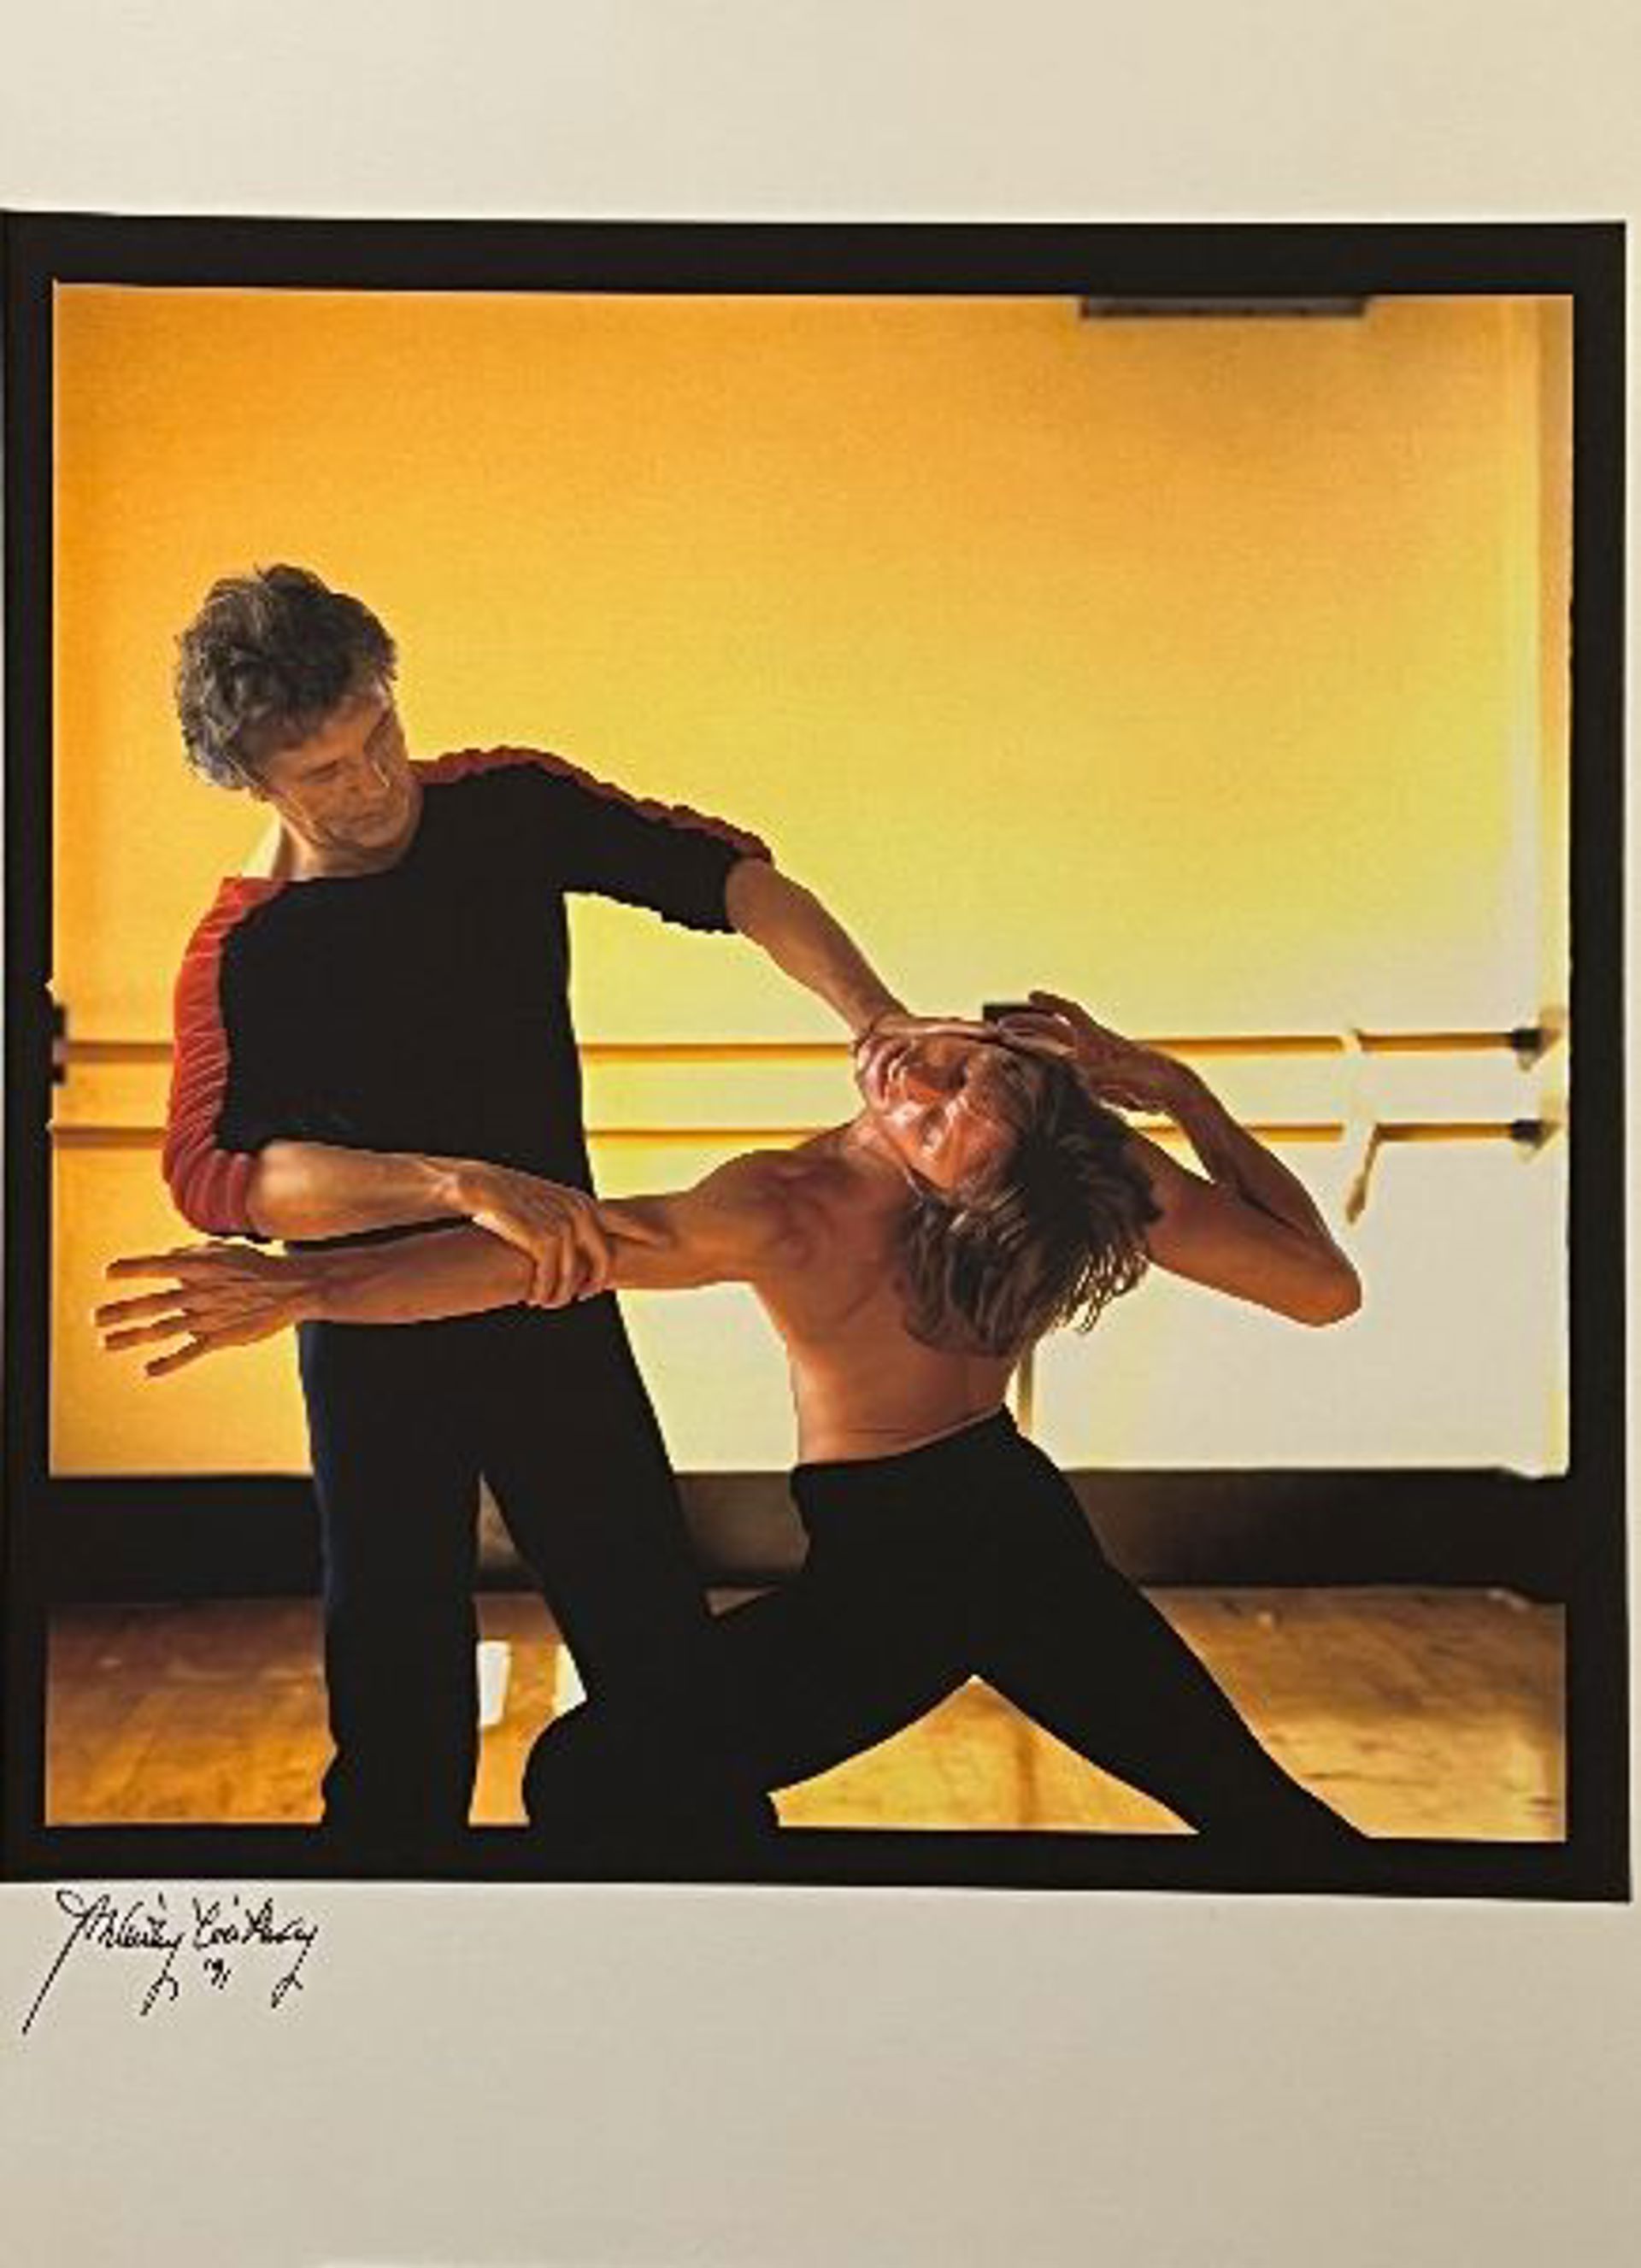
495	1666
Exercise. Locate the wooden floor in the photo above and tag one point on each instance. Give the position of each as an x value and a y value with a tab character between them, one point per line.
1418	1713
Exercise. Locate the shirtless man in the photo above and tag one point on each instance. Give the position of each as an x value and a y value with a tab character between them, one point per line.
984	1193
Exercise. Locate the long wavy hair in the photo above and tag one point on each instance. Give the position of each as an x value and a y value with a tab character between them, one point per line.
1051	1237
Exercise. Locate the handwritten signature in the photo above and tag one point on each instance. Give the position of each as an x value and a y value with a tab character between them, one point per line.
203	1941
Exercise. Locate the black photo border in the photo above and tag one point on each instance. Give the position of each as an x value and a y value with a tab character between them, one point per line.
1582	260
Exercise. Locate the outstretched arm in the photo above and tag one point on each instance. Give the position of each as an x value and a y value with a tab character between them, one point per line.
1250	1228
311	1189
732	1226
317	1188
805	942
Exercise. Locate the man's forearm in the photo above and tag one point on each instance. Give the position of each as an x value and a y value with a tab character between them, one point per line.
1231	1156
318	1188
805	943
460	1271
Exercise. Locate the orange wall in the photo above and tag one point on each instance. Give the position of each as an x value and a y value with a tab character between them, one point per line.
1199	668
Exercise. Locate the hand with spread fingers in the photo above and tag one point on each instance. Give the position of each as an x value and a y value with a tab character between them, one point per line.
217	1295
1114	1070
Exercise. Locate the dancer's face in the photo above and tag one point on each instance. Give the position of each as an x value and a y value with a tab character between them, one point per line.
348	792
943	1102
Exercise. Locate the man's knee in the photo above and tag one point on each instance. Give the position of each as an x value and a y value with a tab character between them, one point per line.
599	1784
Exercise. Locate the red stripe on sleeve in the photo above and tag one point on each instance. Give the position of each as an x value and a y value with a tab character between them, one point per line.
468	760
208	1185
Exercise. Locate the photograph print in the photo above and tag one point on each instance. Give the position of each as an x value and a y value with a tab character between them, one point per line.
790	1081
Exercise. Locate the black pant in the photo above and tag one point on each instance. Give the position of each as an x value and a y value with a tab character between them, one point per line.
549	1407
970	1558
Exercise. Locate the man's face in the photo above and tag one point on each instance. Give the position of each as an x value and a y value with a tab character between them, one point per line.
944	1102
347	792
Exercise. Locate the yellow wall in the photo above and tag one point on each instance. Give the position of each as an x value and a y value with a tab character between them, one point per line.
1204	669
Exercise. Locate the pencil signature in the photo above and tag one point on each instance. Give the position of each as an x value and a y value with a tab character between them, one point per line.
182	1940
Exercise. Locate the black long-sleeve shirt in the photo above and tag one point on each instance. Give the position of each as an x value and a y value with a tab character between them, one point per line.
423	1007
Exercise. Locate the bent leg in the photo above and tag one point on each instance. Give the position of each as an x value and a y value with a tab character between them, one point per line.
852	1649
817	1672
580	1472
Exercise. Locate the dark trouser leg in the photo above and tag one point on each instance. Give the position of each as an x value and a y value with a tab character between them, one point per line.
830	1665
1078	1649
850	1651
975	1557
576	1462
397	1478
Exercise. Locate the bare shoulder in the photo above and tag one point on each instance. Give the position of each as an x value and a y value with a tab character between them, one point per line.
756	1206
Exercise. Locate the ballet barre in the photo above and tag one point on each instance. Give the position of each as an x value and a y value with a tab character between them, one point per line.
1526	1133
1528	1042
1367	1133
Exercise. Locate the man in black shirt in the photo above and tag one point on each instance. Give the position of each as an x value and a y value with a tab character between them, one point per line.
373	1037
